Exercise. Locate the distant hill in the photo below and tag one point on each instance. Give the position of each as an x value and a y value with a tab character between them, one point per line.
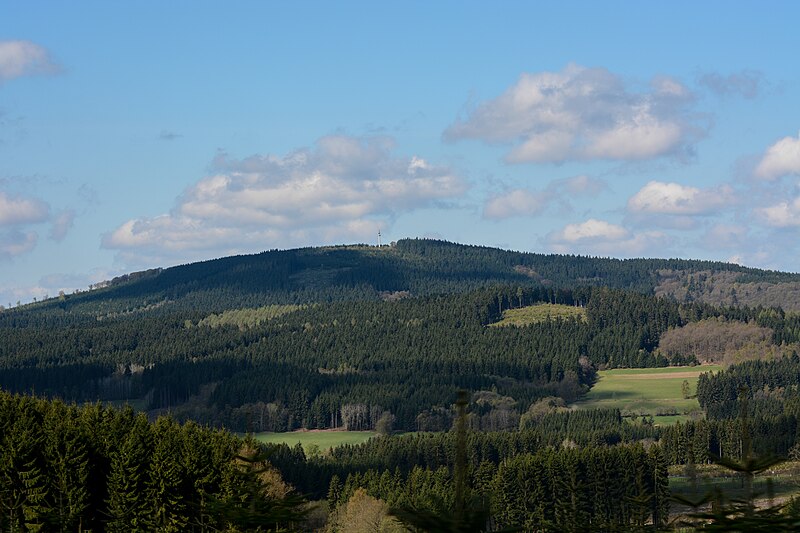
347	336
417	267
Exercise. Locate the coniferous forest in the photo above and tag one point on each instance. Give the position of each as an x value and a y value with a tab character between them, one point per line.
383	338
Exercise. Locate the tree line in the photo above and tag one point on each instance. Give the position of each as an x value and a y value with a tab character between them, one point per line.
69	468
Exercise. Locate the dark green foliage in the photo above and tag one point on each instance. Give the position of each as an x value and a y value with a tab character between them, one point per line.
401	454
595	489
772	389
64	468
357	346
343	363
421	266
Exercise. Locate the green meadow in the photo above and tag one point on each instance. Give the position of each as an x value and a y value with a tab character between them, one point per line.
647	391
539	313
325	440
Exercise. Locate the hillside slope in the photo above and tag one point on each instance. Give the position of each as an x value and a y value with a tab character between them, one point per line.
416	267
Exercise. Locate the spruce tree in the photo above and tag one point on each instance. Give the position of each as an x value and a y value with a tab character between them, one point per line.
127	509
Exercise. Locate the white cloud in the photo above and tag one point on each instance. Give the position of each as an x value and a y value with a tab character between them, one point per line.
343	188
517	202
584	113
780	159
675	199
15	242
24	58
19	210
599	237
20	215
592	229
781	215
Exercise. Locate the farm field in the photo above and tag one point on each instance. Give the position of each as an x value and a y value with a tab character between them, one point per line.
533	314
324	439
647	391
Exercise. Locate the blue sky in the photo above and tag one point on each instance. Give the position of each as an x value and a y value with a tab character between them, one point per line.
141	134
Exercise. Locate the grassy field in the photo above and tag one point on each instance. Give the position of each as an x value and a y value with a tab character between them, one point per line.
647	391
539	313
324	439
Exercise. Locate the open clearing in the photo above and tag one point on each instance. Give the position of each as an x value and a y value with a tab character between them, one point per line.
647	391
539	313
324	439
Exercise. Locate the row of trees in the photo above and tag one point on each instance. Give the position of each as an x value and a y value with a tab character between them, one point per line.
770	387
591	489
68	468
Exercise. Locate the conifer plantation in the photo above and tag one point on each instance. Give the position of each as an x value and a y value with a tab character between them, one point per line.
132	406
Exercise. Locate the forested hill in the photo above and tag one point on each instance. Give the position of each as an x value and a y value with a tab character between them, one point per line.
414	267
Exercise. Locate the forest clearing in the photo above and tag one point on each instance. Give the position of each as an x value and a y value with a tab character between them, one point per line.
322	439
533	314
656	392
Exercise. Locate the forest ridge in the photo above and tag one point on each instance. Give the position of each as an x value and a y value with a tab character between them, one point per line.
417	267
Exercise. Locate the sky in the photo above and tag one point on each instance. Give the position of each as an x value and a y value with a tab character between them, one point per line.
143	134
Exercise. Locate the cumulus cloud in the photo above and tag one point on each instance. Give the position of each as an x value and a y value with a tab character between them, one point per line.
599	237
781	215
746	83
781	159
19	218
15	242
583	114
24	58
662	198
342	188
21	210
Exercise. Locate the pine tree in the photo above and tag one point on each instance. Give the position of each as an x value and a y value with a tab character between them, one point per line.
334	492
68	467
164	495
23	479
661	493
127	509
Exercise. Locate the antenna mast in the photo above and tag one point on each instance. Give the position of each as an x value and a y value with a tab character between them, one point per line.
379	238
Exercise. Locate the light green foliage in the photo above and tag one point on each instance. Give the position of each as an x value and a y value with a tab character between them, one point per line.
533	314
248	318
647	391
324	440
